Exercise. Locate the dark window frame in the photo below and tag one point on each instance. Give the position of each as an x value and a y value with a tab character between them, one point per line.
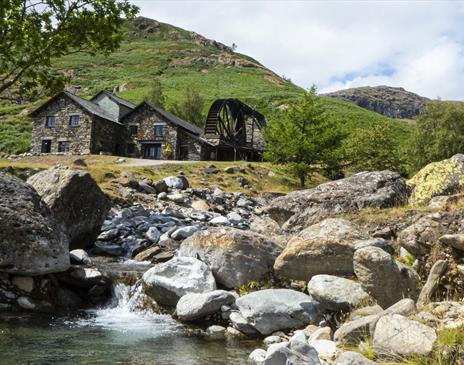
131	129
48	118
162	127
73	124
44	143
64	143
130	148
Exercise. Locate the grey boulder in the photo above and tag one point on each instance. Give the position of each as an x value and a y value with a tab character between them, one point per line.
176	182
272	310
353	358
337	293
171	280
235	256
323	248
32	242
75	200
198	305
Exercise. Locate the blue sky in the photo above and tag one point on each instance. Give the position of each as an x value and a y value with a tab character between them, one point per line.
418	45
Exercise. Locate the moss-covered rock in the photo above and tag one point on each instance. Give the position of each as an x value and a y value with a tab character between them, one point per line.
438	178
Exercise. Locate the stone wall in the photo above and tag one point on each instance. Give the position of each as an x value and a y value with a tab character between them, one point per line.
254	135
192	146
107	137
79	137
145	119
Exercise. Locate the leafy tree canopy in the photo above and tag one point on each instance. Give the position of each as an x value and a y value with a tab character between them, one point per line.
156	94
190	108
34	32
303	138
439	133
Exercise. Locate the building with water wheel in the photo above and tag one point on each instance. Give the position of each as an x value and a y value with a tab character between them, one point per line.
107	124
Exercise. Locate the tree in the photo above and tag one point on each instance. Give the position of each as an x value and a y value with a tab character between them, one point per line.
190	107
439	133
156	94
373	149
303	138
33	33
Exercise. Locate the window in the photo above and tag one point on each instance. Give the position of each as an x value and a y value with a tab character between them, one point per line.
63	146
50	121
133	129
159	130
74	120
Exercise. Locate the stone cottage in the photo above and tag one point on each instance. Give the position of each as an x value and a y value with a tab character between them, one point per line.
108	124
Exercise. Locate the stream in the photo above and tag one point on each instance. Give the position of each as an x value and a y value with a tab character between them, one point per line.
119	333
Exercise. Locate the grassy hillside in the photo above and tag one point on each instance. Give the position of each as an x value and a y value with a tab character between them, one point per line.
179	58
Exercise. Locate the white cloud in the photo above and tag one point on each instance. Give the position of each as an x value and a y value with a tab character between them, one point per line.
337	44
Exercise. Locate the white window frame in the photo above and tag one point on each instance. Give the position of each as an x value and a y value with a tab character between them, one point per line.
78	121
157	125
54	121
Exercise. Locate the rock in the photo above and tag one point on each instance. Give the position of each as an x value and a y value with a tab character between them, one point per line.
337	293
326	349
198	305
106	249
216	331
396	335
241	324
200	205
436	272
271	310
235	256
67	299
437	178
79	162
146	188
257	356
376	242
85	277
269	340
177	182
108	235
234	218
353	358
454	240
160	186
153	235
265	225
80	257
219	220
355	331
364	190
233	169
383	278
171	280
419	237
323	333
26	303
299	343
281	354
184	232
365	311
210	170
24	283
32	242
323	248
75	200
148	254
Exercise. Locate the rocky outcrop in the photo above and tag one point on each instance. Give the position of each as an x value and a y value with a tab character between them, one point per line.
385	279
235	256
364	190
396	335
272	310
323	248
393	102
437	178
32	242
337	293
75	200
166	283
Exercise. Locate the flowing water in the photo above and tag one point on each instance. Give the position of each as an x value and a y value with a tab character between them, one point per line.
121	333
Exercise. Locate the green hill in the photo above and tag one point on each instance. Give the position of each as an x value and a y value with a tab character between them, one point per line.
179	58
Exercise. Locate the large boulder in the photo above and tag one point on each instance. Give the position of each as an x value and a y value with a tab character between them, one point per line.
272	310
235	256
353	358
385	279
396	335
171	280
337	293
437	178
32	242
364	190
76	200
323	248
198	305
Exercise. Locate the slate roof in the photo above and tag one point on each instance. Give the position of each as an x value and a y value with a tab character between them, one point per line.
89	106
115	98
170	117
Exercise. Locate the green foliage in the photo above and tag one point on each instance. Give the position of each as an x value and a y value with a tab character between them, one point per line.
303	138
156	94
190	107
439	133
32	33
15	135
374	149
